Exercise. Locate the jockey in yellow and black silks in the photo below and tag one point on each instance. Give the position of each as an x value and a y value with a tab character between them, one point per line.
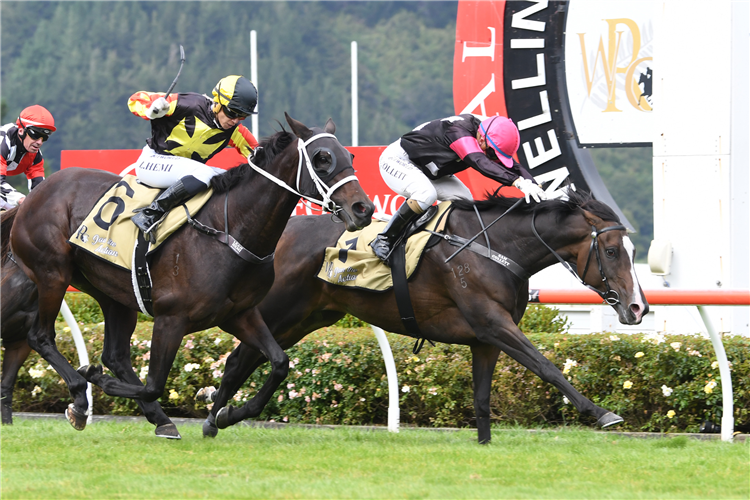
187	130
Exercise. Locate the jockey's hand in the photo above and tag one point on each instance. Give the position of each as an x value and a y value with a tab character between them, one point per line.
530	190
157	109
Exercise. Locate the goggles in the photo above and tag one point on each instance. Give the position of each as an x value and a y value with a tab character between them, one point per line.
233	115
37	133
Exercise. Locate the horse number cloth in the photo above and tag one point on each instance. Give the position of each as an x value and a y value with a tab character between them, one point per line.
353	264
107	231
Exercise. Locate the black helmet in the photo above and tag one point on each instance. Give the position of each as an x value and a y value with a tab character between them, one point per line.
236	93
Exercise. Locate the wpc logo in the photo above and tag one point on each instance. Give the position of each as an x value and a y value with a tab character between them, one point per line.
619	64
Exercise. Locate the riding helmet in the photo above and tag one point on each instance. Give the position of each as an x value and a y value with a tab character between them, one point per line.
236	93
38	119
503	136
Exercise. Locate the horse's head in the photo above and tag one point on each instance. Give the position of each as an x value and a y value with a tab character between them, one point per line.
328	174
607	262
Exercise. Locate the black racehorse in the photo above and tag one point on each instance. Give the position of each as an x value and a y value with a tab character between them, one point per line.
470	300
18	309
200	278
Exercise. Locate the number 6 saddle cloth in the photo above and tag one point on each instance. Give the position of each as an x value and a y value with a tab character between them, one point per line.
353	264
107	231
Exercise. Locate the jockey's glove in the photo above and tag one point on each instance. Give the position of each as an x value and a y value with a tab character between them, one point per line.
530	190
157	109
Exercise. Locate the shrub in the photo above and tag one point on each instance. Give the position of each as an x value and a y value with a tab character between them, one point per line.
655	382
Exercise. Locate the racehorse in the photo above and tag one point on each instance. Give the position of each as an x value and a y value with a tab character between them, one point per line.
469	300
18	308
200	278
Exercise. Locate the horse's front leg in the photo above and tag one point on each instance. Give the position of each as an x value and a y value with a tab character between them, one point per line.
483	361
165	341
250	329
15	354
499	329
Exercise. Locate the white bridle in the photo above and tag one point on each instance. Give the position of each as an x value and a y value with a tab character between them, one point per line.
327	203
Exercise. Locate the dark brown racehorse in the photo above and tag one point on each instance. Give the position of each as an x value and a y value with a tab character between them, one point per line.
18	309
198	280
470	300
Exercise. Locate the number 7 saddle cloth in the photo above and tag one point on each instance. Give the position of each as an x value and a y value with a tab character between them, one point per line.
352	263
107	231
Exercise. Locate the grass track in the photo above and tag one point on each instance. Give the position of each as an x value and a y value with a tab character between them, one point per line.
48	459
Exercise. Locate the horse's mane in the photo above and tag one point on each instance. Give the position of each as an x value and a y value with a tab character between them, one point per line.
267	150
574	201
6	224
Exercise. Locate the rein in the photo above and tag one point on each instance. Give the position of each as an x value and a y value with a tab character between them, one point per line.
327	203
611	297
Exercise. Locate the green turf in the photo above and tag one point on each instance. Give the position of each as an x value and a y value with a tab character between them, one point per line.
48	459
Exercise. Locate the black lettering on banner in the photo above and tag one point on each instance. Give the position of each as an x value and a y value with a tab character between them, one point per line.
344	251
129	192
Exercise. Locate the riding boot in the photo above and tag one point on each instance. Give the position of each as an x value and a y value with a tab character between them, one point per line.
148	218
383	244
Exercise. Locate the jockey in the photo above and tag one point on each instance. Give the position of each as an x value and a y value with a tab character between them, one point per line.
420	167
187	130
20	151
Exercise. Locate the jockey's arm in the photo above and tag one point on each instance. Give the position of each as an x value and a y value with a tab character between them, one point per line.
141	103
243	141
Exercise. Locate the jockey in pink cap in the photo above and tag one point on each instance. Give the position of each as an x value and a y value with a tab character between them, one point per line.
420	166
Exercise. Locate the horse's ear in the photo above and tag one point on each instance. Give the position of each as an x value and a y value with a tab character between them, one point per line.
330	126
592	219
299	128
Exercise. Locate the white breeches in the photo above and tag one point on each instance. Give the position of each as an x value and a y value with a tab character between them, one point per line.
161	171
406	179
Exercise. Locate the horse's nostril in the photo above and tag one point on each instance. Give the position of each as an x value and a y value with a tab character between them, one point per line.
635	309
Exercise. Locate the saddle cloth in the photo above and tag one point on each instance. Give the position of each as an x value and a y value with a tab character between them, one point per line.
353	264
107	231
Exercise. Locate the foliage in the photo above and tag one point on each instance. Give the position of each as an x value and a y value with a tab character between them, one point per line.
655	382
113	49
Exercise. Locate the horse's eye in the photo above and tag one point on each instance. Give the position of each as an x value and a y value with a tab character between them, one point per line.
323	163
610	252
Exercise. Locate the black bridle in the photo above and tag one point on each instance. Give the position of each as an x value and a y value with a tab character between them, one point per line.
611	297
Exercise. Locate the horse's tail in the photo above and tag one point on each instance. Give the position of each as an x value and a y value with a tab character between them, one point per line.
6	224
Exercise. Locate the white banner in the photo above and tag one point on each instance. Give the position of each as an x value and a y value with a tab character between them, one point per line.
609	70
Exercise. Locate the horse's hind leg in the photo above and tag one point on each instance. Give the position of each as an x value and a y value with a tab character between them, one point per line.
119	324
15	354
483	361
250	328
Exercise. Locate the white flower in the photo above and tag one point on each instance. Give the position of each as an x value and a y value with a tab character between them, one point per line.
191	366
289	386
66	329
710	387
566	400
569	363
667	391
217	341
613	338
627	384
655	338
173	394
714	365
293	394
362	399
144	373
37	371
671	414
676	345
432	391
639	354
36	391
405	388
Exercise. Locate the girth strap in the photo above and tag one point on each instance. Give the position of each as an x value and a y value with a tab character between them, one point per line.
494	256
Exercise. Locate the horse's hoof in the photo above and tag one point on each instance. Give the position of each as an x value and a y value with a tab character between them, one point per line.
206	394
209	427
7	414
90	371
168	431
222	418
76	418
609	419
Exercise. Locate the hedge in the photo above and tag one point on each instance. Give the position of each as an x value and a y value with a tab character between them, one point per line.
665	383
